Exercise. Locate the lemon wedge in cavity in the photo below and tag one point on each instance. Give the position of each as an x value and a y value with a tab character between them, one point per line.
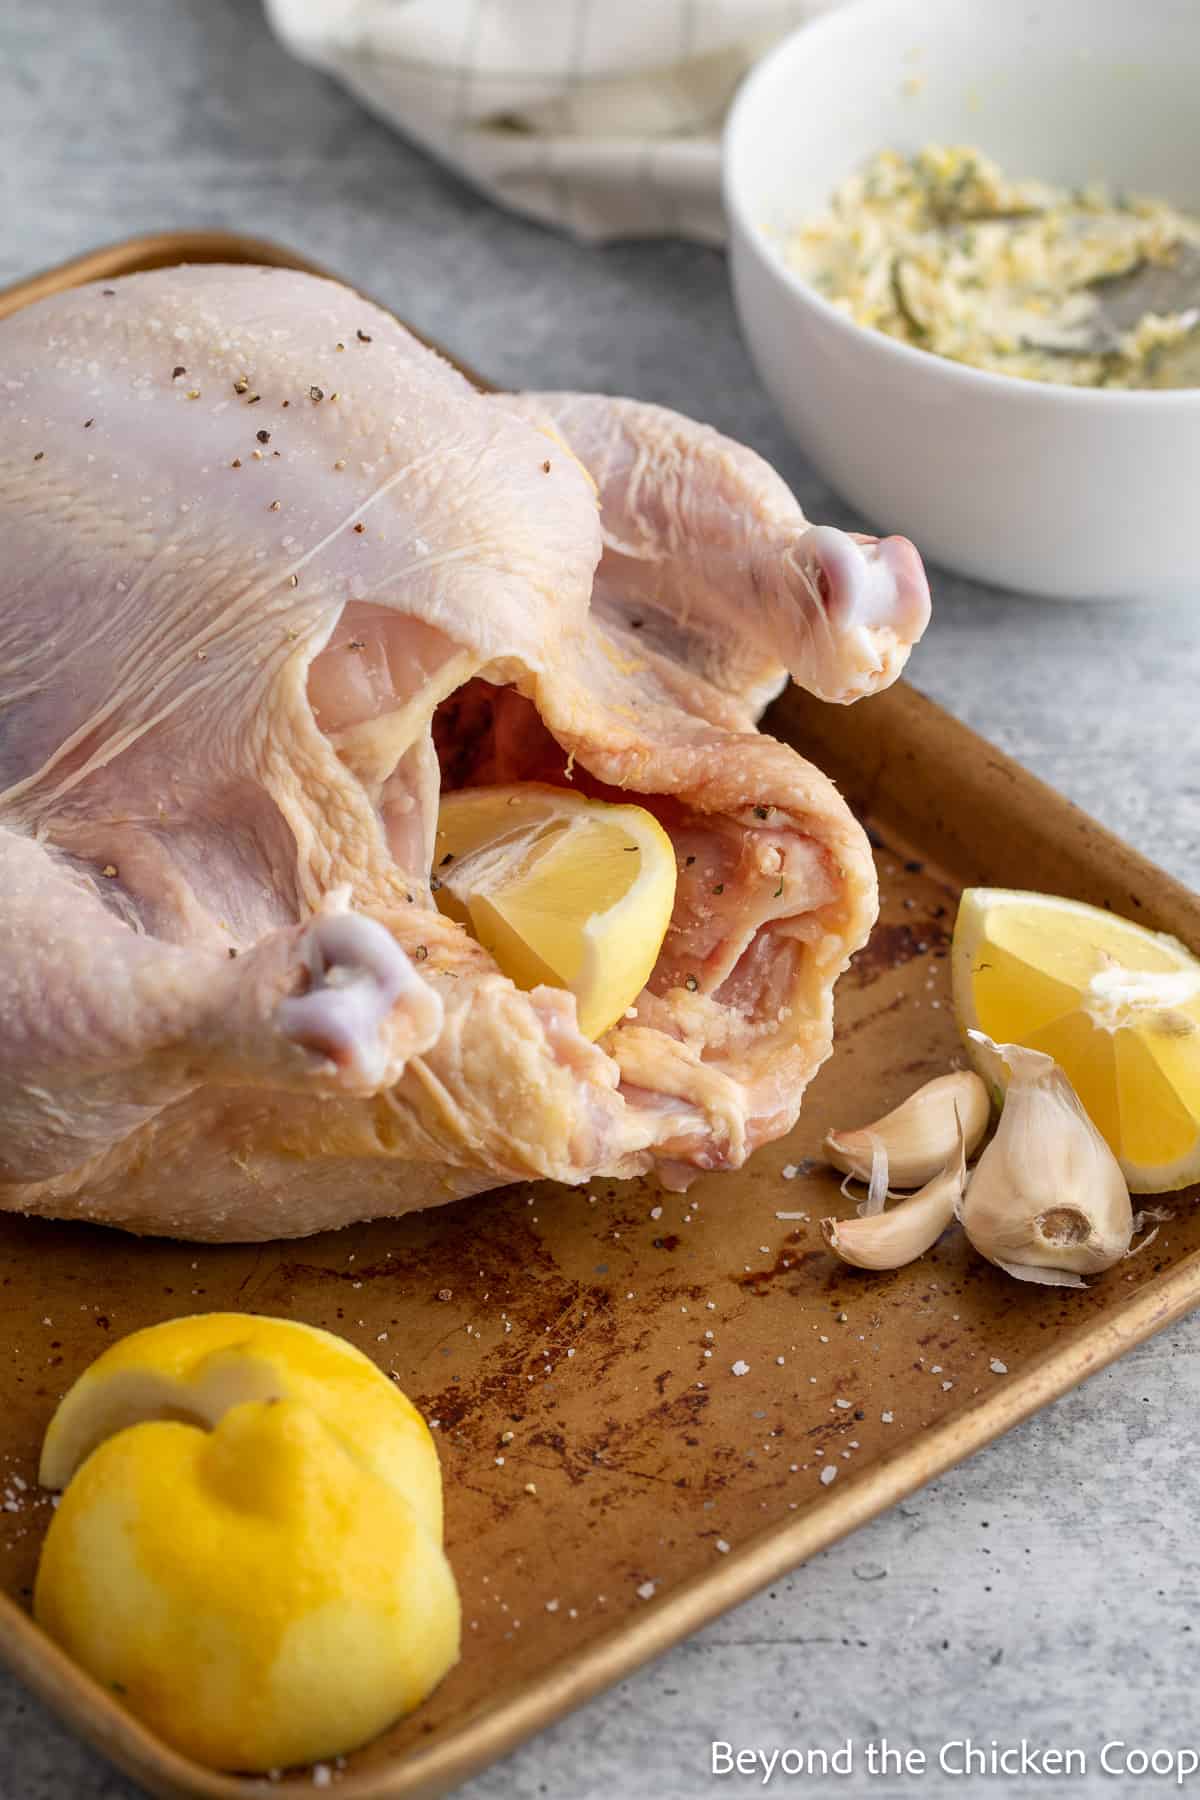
563	891
1116	1005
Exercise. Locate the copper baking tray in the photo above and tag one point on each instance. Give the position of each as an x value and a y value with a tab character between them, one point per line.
646	1487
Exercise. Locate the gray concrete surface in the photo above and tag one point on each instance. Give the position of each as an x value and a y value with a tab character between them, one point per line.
1044	1591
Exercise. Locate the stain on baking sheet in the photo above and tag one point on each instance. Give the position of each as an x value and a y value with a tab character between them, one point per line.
891	946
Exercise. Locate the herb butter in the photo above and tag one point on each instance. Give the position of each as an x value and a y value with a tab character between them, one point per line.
945	252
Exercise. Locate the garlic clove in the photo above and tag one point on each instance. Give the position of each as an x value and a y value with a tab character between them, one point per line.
920	1135
888	1240
1047	1198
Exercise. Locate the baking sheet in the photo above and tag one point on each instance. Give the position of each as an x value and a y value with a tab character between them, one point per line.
676	1372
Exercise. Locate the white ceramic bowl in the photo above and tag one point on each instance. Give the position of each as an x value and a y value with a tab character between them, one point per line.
1075	493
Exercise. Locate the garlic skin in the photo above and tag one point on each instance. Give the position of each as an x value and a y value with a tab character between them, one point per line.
1047	1201
921	1135
888	1240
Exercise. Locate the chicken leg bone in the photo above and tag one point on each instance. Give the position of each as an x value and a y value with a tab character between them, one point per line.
702	533
359	977
104	1025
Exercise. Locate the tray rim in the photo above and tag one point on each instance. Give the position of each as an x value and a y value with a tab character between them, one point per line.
496	1729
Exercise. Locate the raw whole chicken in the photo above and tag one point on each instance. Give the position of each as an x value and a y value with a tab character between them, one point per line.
274	576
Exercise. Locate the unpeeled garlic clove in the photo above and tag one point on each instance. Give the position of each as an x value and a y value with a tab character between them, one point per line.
888	1240
920	1136
1047	1201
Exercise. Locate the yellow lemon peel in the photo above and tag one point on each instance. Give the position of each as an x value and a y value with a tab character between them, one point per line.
258	1575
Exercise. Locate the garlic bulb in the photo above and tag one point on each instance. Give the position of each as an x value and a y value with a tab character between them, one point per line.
888	1240
1047	1201
921	1135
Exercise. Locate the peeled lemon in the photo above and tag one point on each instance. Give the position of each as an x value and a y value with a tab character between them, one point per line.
563	891
248	1549
1116	1005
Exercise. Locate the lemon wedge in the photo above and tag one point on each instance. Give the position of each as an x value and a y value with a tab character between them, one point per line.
1117	1007
563	891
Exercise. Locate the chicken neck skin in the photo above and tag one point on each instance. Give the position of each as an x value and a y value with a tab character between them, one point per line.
260	543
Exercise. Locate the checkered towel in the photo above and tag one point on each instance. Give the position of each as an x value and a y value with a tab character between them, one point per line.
602	116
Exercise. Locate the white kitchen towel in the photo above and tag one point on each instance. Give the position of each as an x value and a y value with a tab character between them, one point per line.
603	116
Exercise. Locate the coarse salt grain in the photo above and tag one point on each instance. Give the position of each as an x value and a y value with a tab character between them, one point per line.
887	1417
828	1474
789	1171
322	1775
722	1546
997	1367
647	1590
740	1367
552	1606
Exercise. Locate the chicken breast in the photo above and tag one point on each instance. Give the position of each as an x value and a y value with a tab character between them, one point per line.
275	577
